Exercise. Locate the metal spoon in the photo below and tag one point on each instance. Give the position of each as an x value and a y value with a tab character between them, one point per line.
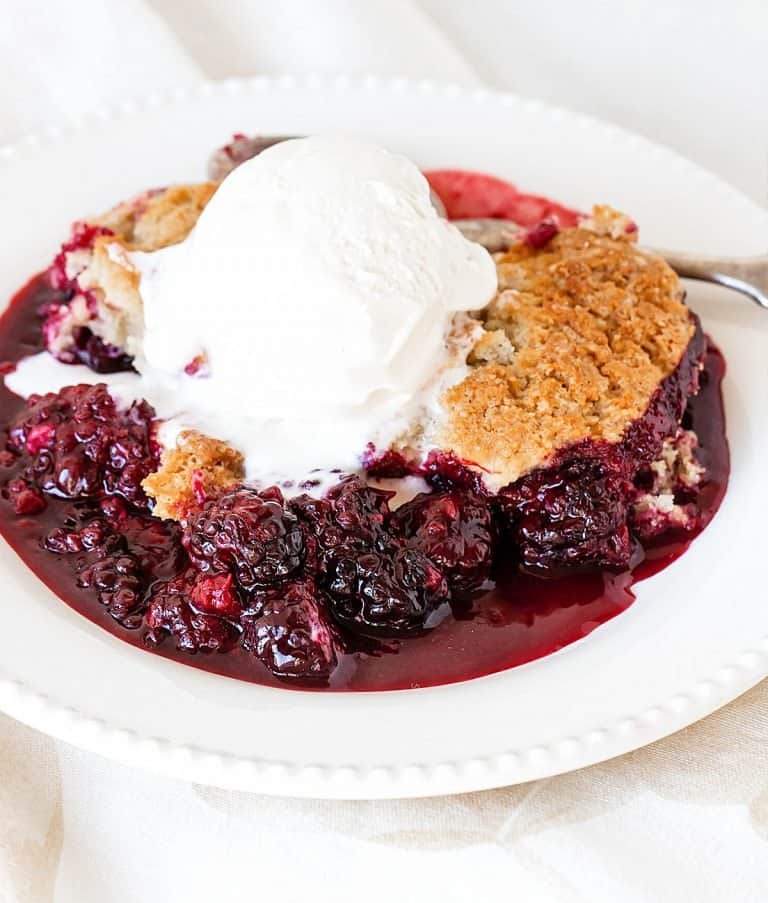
748	275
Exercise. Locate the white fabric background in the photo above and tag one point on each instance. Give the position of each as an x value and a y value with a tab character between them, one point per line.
684	819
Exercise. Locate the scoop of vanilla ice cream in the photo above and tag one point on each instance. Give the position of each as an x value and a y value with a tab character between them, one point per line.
318	275
318	286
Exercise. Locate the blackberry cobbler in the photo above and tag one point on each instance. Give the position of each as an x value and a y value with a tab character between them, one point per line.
569	442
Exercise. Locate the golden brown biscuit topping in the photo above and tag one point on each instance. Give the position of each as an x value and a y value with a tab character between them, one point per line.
157	219
592	325
195	469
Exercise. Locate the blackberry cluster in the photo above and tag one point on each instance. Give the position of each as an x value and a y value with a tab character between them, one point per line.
173	612
445	471
375	583
103	562
352	517
391	593
120	582
73	540
570	517
455	530
288	629
256	544
77	443
249	534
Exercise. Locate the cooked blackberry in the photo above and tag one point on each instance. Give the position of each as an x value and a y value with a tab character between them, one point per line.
454	530
289	630
250	534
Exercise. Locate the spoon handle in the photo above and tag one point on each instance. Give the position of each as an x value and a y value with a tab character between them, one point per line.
748	275
493	234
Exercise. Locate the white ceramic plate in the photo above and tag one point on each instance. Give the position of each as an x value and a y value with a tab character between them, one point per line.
697	635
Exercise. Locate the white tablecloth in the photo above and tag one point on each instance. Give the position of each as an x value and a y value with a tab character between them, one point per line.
684	819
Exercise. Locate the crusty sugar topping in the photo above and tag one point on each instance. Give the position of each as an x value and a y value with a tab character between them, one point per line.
156	219
148	222
594	325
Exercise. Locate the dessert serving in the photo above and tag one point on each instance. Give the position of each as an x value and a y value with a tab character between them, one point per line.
292	426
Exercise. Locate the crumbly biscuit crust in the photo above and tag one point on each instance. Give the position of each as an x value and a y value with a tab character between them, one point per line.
595	325
156	219
153	220
193	470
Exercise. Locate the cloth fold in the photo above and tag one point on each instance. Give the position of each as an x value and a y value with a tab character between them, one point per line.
684	818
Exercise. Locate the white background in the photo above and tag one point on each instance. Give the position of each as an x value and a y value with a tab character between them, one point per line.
686	818
689	73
